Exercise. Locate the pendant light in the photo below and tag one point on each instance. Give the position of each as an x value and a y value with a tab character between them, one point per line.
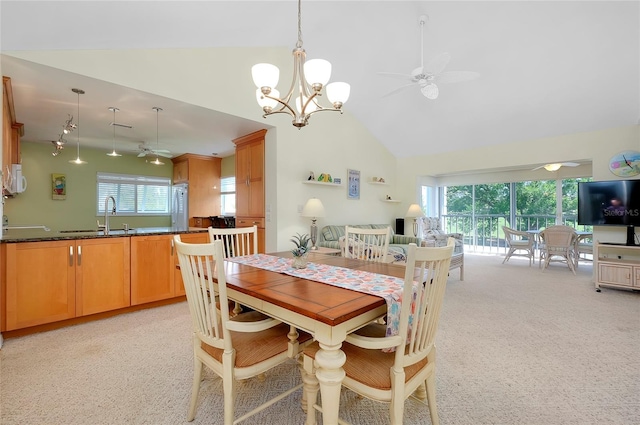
78	160
113	124
157	160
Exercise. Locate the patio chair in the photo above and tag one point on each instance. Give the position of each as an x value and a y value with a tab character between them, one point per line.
558	243
520	244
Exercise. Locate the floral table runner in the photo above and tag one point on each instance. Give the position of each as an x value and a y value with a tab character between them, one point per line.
388	287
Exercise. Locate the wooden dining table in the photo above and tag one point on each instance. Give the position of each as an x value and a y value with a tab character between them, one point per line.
327	312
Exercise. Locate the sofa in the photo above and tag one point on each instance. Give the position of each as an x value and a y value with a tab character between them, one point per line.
330	235
431	234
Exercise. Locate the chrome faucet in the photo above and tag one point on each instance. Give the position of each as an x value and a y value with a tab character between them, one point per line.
105	226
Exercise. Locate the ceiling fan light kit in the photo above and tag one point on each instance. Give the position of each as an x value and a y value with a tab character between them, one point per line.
113	124
555	166
309	78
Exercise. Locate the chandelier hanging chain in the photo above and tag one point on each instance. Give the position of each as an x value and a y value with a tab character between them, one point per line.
299	43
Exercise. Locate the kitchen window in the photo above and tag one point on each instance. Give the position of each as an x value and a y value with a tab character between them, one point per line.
228	196
134	195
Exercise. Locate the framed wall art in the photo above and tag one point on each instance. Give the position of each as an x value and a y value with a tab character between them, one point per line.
58	186
353	189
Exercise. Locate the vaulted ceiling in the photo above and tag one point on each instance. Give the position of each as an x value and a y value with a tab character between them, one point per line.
546	68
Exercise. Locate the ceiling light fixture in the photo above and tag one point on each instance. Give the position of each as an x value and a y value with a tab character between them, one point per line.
78	160
309	77
68	126
552	167
113	124
59	145
157	160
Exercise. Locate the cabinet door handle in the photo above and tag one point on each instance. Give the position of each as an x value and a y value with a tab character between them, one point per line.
172	247
70	256
79	261
255	222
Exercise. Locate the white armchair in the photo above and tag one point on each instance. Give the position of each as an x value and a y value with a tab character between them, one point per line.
431	234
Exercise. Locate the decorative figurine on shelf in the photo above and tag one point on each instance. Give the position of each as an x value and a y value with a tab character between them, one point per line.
301	250
321	177
380	180
327	178
311	176
389	198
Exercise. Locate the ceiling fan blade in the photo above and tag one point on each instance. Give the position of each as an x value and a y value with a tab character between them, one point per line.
570	164
392	92
437	64
456	76
142	154
395	75
537	168
165	154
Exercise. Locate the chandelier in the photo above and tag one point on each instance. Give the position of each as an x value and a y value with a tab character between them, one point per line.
309	78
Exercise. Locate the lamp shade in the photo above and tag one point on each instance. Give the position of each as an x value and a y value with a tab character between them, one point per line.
265	75
313	208
265	101
317	71
338	92
414	211
430	91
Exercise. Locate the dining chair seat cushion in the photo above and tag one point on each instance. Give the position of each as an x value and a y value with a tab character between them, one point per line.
519	243
369	367
254	347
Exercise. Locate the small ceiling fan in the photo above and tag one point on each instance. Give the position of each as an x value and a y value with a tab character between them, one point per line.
146	150
427	77
556	166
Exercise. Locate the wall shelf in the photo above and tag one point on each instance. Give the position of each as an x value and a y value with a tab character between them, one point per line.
378	183
391	201
321	183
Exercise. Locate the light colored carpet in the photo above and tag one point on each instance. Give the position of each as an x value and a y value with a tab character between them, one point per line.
516	346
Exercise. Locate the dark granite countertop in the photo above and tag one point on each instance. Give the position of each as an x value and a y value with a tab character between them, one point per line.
40	235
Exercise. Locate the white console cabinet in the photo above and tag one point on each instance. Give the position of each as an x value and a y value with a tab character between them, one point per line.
617	265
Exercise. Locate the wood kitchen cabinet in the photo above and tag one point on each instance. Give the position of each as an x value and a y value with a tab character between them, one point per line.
250	196
11	129
202	174
152	268
56	280
187	238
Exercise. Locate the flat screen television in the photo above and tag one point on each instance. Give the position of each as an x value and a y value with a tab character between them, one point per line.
610	203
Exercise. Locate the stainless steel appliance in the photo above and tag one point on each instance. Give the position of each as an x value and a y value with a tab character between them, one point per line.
180	206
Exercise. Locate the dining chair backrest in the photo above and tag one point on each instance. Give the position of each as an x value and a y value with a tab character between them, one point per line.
236	241
367	244
558	237
431	267
204	279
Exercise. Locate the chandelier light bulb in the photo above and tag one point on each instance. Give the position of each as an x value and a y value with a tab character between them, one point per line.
311	107
317	73
265	103
265	75
338	93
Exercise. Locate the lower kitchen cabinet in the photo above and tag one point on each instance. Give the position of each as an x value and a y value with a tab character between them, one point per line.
57	280
154	275
187	238
102	275
152	268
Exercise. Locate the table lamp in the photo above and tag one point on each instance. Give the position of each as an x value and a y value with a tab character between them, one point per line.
414	212
313	209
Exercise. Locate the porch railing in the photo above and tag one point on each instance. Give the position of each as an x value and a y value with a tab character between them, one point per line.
483	232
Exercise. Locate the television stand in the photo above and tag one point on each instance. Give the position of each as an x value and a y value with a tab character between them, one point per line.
617	266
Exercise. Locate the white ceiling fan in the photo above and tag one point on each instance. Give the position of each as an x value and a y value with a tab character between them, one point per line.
427	77
555	166
146	150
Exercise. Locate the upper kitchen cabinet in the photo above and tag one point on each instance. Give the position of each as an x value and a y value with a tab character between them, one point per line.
11	129
250	174
202	174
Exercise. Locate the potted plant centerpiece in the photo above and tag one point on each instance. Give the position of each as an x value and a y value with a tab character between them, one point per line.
301	250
